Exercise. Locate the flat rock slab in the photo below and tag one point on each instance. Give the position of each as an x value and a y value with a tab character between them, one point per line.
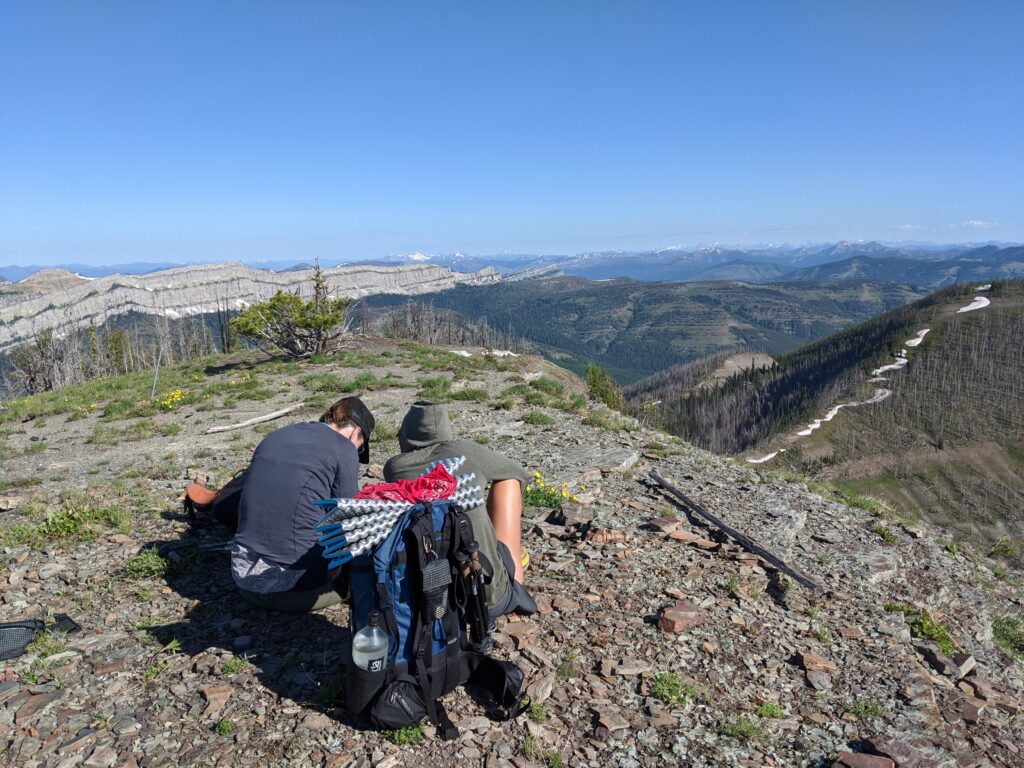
36	704
575	460
859	760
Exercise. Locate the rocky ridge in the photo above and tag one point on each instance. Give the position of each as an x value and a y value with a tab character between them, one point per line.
658	642
196	290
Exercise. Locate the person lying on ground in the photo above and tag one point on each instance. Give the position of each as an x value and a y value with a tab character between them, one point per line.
425	437
275	559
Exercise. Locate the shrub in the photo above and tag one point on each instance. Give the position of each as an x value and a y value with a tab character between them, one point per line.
298	328
603	388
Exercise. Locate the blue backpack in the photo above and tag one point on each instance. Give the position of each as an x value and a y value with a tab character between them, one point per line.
426	581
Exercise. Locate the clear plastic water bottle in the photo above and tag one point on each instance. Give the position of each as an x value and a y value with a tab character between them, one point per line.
370	646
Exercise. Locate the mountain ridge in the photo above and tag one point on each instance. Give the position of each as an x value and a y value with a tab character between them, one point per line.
659	641
197	290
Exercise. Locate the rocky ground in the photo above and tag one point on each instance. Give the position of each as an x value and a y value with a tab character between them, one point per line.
658	642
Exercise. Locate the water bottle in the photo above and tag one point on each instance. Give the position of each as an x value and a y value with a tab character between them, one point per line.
370	646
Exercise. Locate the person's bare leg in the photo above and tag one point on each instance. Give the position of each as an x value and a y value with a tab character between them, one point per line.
505	506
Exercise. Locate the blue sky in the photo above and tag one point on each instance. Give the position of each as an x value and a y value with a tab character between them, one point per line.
151	131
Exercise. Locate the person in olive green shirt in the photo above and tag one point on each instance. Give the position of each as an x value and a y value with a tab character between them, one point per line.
426	437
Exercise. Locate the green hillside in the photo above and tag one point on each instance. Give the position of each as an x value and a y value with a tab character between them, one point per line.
948	441
635	329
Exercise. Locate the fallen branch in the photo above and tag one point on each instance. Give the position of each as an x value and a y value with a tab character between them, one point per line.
741	538
257	420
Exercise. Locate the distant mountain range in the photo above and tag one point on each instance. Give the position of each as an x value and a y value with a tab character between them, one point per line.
920	265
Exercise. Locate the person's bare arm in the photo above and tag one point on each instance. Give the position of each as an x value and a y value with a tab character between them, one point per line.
505	506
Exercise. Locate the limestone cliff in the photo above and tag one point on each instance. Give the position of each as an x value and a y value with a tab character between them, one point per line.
198	290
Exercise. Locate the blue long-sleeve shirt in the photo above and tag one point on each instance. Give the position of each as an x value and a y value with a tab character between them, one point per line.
276	541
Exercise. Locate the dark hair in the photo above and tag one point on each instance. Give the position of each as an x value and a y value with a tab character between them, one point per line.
351	411
339	414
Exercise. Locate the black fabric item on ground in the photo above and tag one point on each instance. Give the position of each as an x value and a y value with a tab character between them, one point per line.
400	706
503	680
15	637
517	599
225	503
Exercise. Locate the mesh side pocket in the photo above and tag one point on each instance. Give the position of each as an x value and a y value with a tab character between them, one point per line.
437	576
15	637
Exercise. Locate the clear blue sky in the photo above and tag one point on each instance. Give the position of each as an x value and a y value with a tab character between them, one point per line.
145	131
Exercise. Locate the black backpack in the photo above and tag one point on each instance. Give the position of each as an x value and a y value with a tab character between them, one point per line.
425	582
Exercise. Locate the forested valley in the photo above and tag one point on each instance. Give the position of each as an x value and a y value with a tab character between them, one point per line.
757	403
635	329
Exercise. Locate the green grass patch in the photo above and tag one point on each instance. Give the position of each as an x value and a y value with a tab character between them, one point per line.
236	665
518	390
743	729
323	382
567	667
548	386
924	625
770	710
884	533
537	712
535	398
78	518
867	708
1008	633
149	563
224	728
436	388
20	482
537	418
600	421
670	688
405	736
473	395
868	503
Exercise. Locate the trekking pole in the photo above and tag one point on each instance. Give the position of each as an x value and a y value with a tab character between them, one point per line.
474	594
477	595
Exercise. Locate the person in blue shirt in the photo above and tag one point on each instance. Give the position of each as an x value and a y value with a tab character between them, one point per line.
275	559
